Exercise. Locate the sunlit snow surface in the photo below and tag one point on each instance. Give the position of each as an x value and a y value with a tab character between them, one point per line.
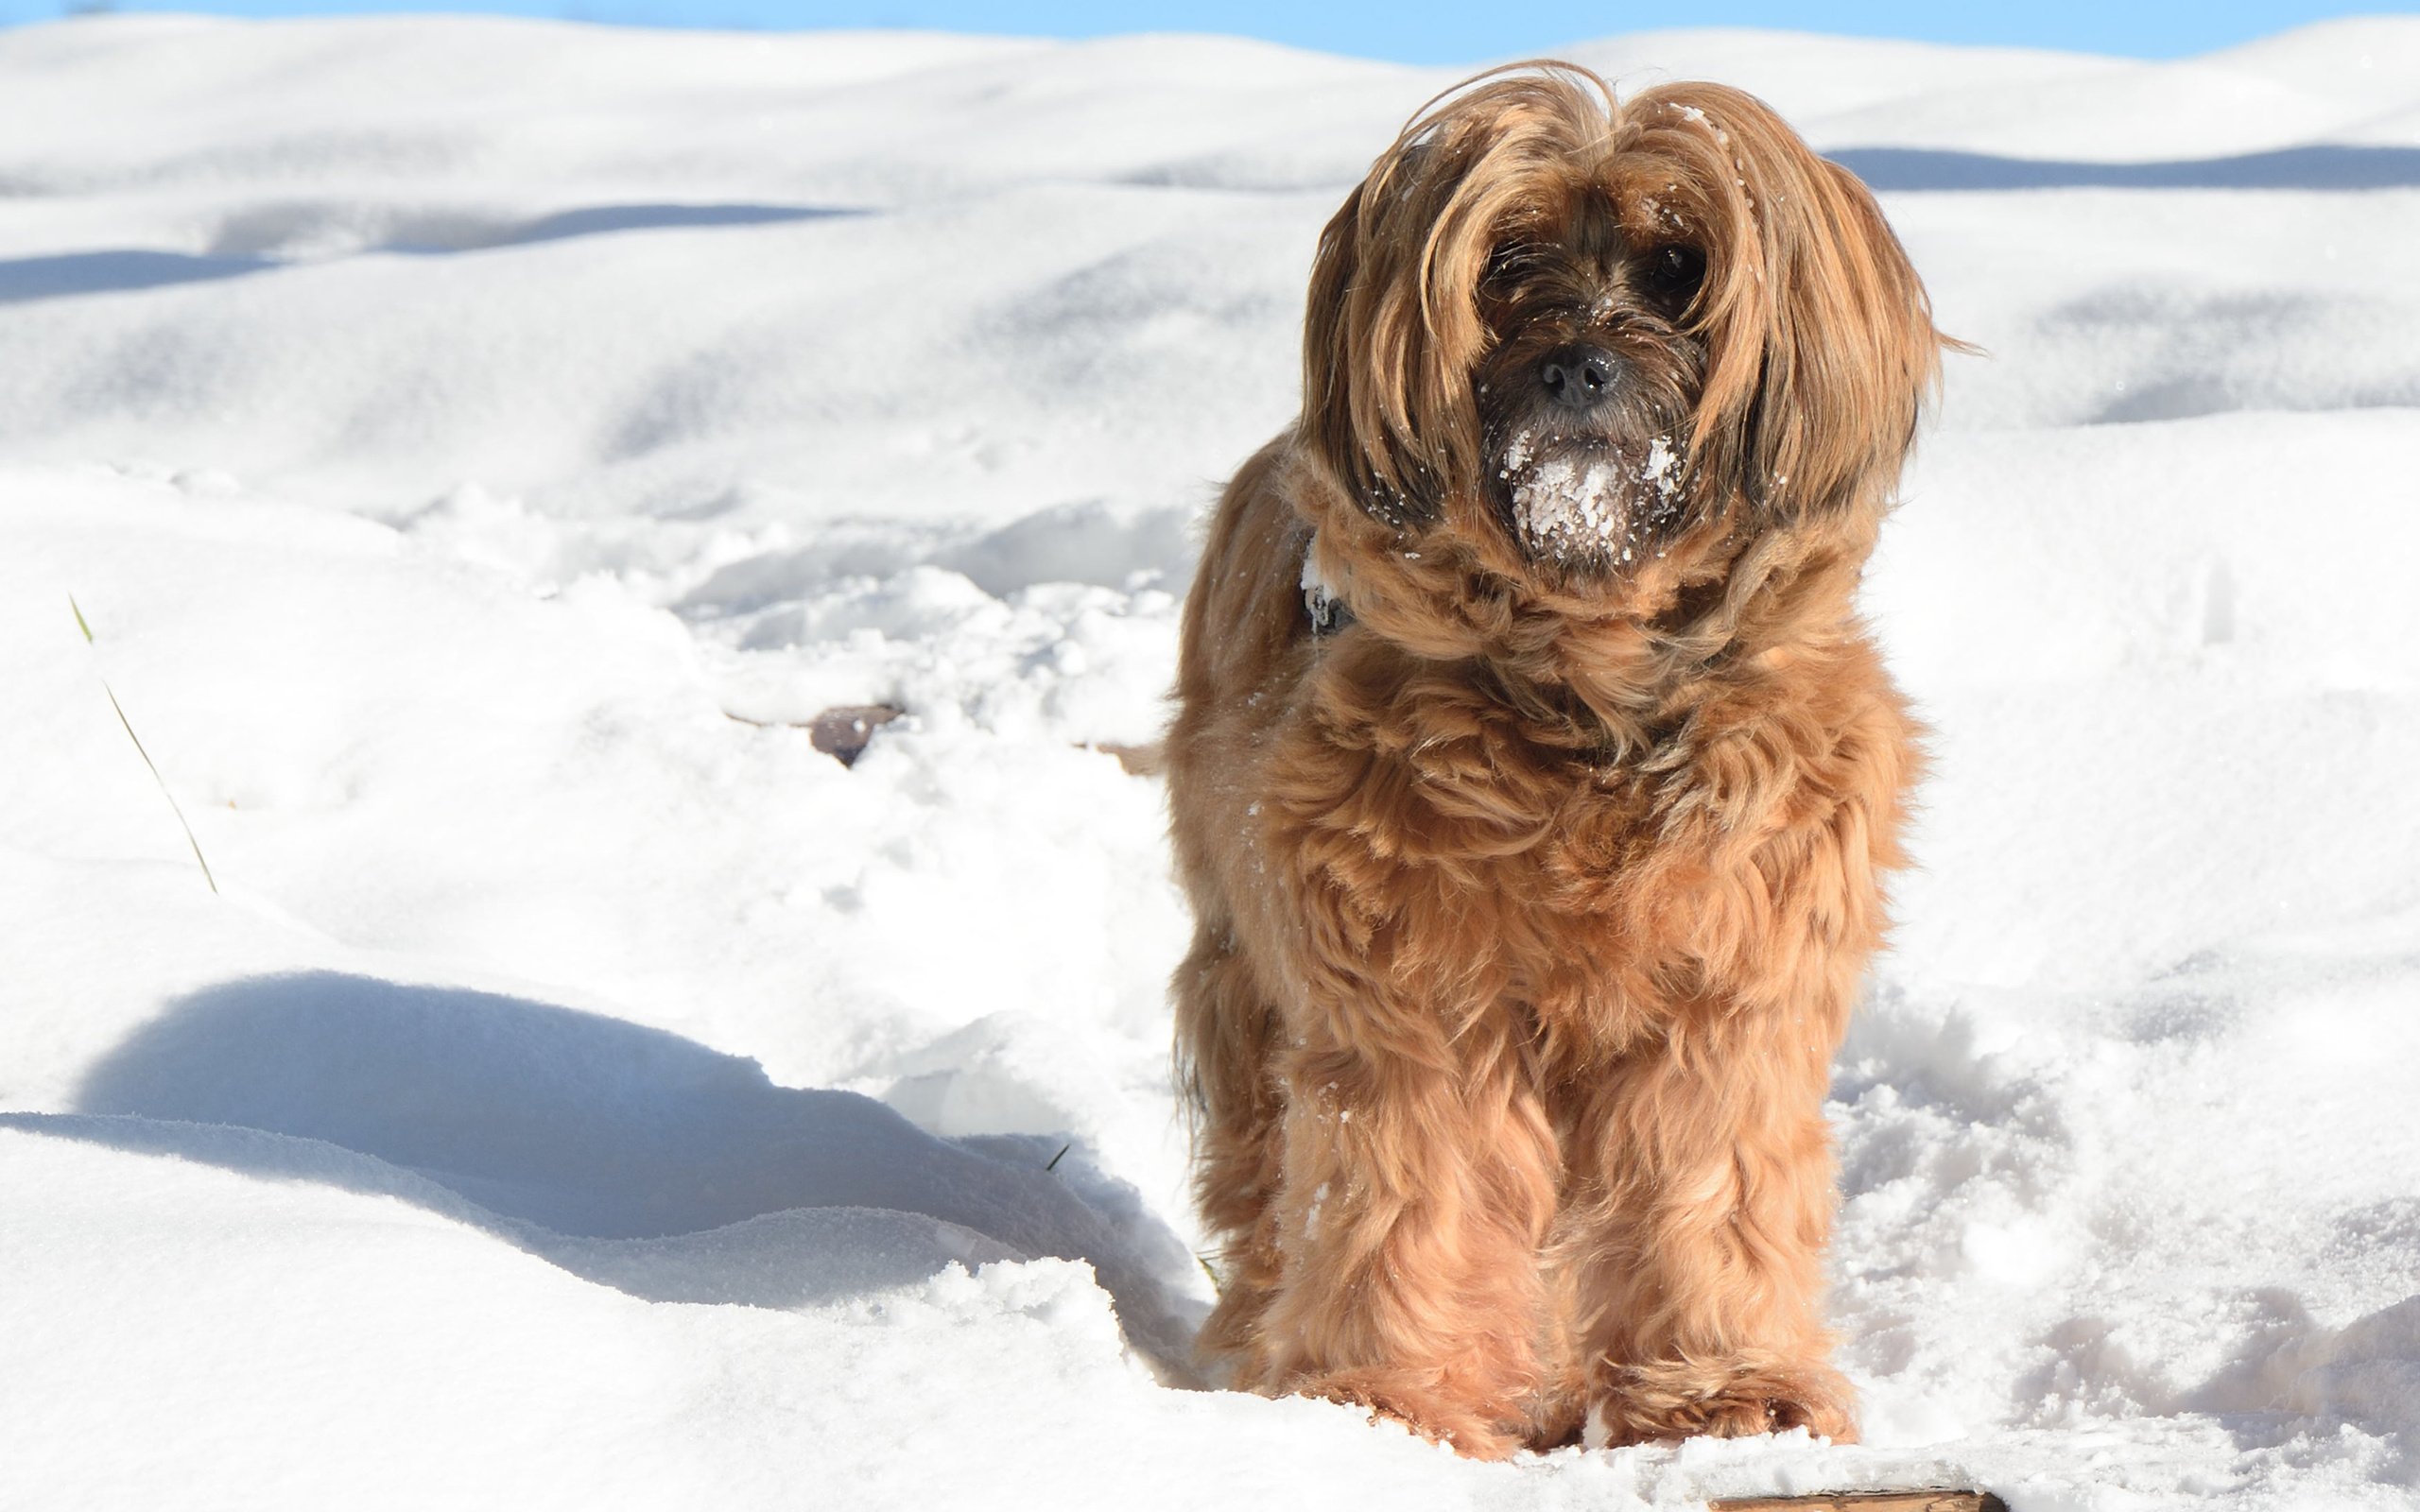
473	442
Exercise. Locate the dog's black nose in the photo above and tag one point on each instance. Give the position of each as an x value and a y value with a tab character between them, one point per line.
1579	374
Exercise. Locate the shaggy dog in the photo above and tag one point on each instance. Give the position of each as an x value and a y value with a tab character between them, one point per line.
1533	778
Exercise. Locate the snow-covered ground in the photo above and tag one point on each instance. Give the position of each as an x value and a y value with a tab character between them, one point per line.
473	444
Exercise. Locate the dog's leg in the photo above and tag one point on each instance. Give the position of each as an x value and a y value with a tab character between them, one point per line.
1698	1255
1226	1036
1419	1182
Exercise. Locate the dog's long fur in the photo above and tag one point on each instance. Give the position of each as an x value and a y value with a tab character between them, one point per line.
1530	901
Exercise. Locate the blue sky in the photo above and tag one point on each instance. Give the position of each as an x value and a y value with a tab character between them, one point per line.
1408	31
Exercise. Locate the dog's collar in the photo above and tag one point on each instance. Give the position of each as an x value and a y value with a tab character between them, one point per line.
1321	598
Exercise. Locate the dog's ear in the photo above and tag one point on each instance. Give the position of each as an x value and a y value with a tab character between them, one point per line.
1376	405
1392	330
1852	356
1347	385
1822	343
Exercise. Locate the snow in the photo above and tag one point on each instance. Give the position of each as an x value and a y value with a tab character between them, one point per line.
1580	499
477	446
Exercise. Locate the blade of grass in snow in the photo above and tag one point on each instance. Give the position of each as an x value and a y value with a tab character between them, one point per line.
128	724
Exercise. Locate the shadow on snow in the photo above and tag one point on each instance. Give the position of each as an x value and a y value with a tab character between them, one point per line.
65	275
2314	167
627	1155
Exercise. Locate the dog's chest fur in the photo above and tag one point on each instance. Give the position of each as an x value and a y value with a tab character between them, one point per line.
1592	887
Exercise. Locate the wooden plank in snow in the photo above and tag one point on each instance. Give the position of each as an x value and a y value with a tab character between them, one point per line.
1869	1502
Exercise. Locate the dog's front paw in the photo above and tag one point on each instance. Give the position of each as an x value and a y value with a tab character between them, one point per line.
1470	1428
1681	1398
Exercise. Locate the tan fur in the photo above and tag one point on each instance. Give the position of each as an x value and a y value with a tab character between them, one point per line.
1531	904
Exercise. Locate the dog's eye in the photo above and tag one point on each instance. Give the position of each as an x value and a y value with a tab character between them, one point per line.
1671	275
1504	261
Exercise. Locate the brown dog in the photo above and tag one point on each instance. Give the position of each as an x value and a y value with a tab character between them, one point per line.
1534	778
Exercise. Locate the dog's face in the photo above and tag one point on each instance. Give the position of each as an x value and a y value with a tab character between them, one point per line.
1561	340
1591	375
